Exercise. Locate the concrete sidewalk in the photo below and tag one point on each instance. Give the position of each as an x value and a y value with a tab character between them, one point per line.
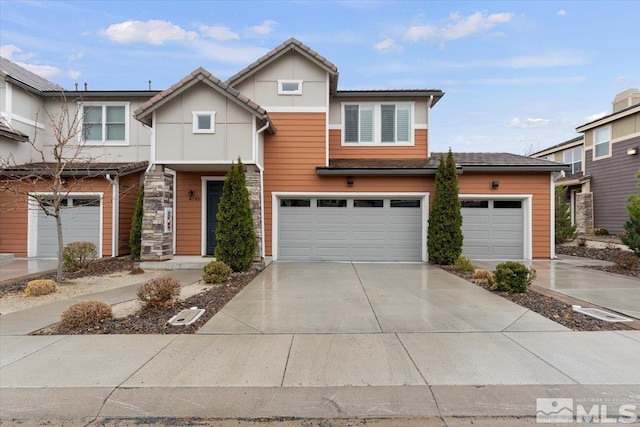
329	341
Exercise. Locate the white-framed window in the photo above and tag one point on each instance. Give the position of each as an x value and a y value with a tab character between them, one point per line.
204	122
289	87
573	157
105	123
602	143
371	124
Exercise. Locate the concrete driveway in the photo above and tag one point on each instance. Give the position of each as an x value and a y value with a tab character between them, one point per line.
292	297
568	275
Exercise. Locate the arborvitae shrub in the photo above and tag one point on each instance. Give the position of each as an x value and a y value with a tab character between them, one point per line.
135	235
564	230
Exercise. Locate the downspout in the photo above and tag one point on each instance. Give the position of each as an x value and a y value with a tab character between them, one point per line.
115	207
263	249
552	219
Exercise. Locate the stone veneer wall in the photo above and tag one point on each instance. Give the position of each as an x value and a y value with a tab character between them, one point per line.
253	185
584	212
158	194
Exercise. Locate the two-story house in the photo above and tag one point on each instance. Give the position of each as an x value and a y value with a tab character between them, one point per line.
332	174
604	164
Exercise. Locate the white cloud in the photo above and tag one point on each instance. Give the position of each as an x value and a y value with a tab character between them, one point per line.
264	28
562	12
76	56
595	116
155	32
14	53
46	71
458	27
17	55
621	80
218	32
528	123
561	59
387	46
517	81
74	74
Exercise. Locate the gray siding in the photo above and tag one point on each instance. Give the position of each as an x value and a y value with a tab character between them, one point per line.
612	181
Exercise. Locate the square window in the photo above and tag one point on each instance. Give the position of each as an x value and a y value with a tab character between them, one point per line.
105	123
204	121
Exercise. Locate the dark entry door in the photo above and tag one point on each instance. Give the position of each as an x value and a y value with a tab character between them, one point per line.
214	191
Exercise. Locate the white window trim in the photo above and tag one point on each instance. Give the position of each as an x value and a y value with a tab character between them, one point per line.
377	122
103	104
281	90
573	159
211	114
275	204
606	156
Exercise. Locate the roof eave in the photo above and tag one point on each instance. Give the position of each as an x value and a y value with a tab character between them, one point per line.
14	136
610	118
516	168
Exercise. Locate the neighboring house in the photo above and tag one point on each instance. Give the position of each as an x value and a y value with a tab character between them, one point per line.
332	174
604	163
114	156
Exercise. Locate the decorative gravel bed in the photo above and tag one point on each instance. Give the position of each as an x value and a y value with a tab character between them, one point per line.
605	254
550	308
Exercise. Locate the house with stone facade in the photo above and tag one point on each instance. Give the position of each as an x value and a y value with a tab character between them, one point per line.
332	174
604	163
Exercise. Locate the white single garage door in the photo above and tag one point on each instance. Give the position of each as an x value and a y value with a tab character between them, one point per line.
353	229
80	223
493	229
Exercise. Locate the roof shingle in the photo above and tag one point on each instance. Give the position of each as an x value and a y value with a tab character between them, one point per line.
27	77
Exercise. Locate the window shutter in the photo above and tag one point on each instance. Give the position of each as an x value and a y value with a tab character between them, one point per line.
388	113
404	123
366	124
350	123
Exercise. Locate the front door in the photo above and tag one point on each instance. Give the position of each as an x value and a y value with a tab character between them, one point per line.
214	191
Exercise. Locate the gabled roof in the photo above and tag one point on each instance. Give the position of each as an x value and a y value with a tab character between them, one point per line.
555	148
610	117
289	45
200	75
8	132
21	75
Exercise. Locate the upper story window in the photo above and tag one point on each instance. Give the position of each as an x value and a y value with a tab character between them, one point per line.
574	158
602	143
105	123
289	87
204	122
369	124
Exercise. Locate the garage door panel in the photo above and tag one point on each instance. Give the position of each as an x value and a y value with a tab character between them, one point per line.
363	233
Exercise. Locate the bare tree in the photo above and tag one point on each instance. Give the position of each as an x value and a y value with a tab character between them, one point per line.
63	163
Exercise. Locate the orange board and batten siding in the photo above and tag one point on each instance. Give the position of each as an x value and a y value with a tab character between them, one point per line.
14	216
129	188
536	184
381	151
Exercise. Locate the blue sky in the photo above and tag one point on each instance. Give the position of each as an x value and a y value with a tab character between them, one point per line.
517	76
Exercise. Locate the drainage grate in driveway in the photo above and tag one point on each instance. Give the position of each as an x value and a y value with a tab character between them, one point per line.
186	317
601	314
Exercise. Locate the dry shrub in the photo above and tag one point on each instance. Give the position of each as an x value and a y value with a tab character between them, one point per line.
78	255
159	293
35	288
627	261
85	314
480	275
136	270
581	242
216	272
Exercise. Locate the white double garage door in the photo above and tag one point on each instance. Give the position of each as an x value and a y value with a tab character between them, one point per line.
81	222
366	227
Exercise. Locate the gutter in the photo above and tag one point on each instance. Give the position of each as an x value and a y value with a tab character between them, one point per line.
323	171
515	168
115	208
263	250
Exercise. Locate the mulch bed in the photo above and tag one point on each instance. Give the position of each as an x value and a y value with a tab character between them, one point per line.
605	254
155	321
549	307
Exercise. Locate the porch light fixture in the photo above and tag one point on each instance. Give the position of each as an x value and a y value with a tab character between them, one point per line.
632	151
495	184
350	181
191	194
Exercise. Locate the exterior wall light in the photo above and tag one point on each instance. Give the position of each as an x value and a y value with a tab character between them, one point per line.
495	184
632	151
350	181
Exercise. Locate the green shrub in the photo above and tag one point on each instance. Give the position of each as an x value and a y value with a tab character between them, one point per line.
216	272
159	293
236	239
85	314
600	232
78	255
444	235
564	230
512	277
463	264
35	288
135	235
